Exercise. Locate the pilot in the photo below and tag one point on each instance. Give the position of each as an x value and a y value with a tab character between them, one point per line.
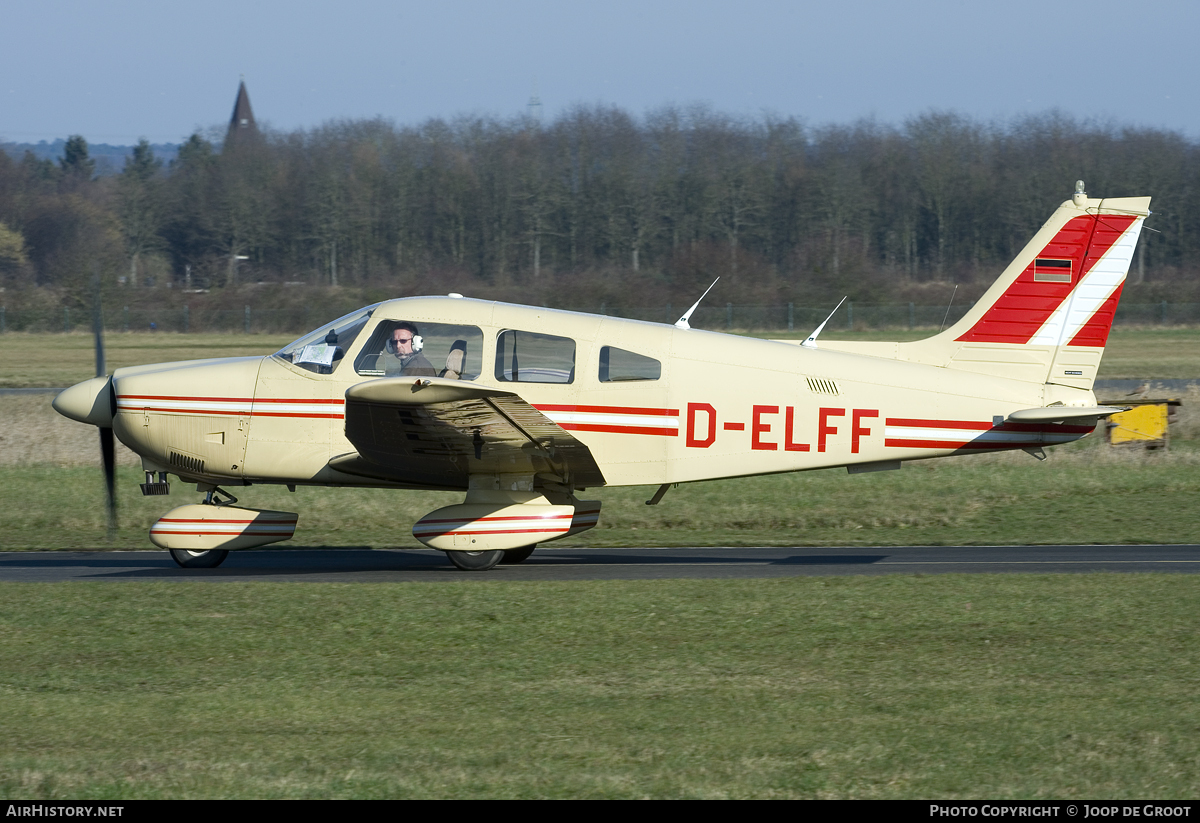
404	345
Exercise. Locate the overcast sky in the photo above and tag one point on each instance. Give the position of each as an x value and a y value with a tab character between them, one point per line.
125	69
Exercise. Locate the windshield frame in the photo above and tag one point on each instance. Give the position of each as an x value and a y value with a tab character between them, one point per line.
360	317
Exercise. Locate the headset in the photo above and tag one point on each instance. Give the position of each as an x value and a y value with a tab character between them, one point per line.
418	344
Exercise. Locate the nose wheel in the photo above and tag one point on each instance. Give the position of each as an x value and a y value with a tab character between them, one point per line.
187	559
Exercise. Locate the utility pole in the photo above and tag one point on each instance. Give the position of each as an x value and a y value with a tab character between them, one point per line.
535	106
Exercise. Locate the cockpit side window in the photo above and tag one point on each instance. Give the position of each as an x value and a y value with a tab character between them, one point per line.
529	357
321	351
410	348
620	366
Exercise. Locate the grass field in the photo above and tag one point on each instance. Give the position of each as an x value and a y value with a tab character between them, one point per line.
1082	494
1052	686
905	686
58	360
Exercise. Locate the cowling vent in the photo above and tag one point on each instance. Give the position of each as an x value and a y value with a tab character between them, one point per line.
819	385
192	465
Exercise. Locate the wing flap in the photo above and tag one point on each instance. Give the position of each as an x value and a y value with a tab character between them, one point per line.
438	432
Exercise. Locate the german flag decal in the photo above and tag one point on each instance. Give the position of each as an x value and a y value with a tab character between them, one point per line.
1049	270
1069	290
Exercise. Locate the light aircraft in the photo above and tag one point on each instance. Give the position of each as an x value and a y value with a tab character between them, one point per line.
524	409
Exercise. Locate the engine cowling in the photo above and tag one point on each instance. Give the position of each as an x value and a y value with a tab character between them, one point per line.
197	528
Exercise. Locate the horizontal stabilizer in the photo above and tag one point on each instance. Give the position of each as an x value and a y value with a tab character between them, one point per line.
1062	414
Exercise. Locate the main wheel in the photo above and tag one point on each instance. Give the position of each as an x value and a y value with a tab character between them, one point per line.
475	561
189	559
514	556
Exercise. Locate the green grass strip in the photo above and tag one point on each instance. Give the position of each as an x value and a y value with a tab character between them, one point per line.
1082	493
64	359
947	686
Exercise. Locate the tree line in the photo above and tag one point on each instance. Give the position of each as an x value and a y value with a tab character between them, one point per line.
597	206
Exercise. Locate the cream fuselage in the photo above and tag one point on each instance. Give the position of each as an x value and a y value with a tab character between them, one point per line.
723	406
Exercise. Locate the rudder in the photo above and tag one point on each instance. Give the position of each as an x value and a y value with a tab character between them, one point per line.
1046	319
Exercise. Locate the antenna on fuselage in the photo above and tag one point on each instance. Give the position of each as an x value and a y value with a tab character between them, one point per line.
682	323
810	342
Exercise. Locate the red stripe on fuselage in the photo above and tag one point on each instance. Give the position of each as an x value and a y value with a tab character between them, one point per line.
947	445
936	424
127	399
246	412
299	414
227	399
600	427
609	410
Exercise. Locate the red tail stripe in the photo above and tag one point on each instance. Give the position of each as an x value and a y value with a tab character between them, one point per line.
1027	303
1095	330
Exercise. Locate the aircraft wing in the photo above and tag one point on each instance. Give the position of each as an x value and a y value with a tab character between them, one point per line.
434	433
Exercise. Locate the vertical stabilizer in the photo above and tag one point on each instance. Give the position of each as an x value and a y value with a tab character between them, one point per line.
1047	318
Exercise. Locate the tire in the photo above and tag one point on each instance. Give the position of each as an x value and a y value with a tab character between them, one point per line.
199	560
514	556
475	561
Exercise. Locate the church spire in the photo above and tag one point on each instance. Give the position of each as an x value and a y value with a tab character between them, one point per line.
242	120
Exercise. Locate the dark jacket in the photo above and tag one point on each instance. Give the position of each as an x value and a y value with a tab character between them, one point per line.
414	365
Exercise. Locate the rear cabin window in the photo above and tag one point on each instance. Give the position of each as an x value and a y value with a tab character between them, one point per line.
529	357
620	366
399	348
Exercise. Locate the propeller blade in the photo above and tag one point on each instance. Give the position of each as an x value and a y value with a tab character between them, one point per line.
109	458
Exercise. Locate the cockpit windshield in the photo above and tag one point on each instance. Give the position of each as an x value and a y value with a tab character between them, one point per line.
322	351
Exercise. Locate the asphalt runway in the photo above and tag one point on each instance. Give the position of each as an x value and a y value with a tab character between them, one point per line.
367	566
